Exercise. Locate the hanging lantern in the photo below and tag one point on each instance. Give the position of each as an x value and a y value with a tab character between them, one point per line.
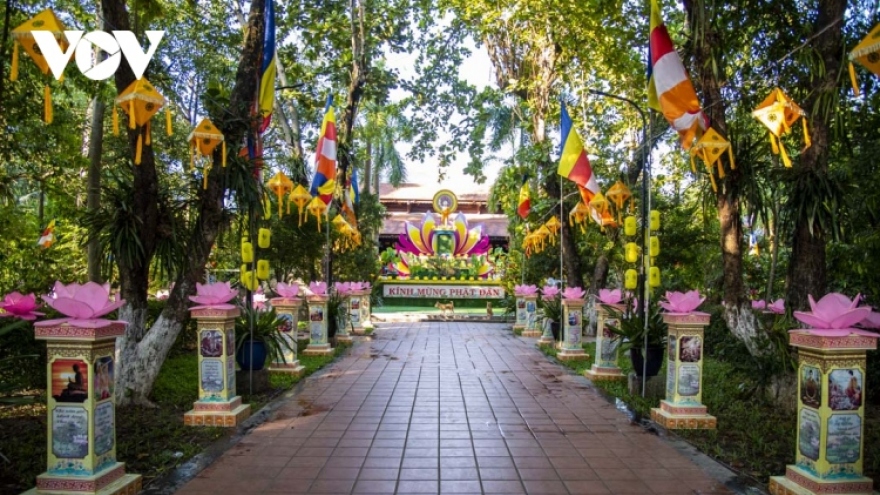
654	277
553	225
631	252
655	220
140	101
264	237
543	235
778	112
203	140
867	54
630	225
709	148
618	194
263	269
579	215
608	220
23	35
249	280
654	246
300	197
267	207
247	251
630	279
317	208
600	207
281	185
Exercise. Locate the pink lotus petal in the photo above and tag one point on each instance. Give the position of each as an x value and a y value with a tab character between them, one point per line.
760	304
318	288
285	290
607	296
61	290
679	302
109	308
810	319
92	294
777	306
871	321
51	323
573	293
850	318
73	308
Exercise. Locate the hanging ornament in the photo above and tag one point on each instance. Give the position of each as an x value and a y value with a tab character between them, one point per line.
300	197
23	35
264	237
867	54
600	207
630	225
140	101
618	194
281	185
317	208
709	148
263	269
578	215
608	220
655	220
778	112
203	140
247	251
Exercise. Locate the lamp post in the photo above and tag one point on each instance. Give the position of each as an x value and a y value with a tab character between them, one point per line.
643	287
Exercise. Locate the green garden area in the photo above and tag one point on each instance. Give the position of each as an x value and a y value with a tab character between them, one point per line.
177	200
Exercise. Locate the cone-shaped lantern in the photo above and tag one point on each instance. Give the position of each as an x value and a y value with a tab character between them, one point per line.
553	225
618	194
300	197
867	54
281	185
599	204
709	148
778	112
140	101
579	214
23	35
317	208
203	140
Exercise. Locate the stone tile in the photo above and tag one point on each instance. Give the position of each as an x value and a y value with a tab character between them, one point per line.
331	486
422	486
472	486
502	486
419	474
375	486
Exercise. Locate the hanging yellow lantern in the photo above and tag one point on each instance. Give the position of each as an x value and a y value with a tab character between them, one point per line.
631	252
654	277
600	206
778	112
654	246
618	194
630	279
247	251
317	208
281	185
300	197
655	220
23	35
709	148
867	54
630	225
264	237
203	140
553	225
140	101
263	269
543	234
249	280
579	215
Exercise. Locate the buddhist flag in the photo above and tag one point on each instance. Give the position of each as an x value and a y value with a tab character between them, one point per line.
573	162
47	238
324	182
525	203
266	98
669	87
350	198
353	187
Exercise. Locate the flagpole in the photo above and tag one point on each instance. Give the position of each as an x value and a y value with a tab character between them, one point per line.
561	234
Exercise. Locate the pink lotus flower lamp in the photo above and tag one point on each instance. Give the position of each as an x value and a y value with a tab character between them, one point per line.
834	316
318	288
287	291
777	306
608	296
549	292
20	306
525	290
213	296
82	304
759	305
342	288
682	302
573	293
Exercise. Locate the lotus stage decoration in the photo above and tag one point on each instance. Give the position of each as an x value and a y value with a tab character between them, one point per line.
835	315
214	296
83	305
682	302
433	249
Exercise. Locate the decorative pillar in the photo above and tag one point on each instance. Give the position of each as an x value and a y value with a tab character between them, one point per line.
607	345
343	316
81	411
547	335
288	310
829	453
355	312
366	310
521	317
683	408
531	306
318	344
217	405
571	347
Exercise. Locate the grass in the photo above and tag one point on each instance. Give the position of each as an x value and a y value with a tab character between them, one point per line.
754	435
426	310
151	441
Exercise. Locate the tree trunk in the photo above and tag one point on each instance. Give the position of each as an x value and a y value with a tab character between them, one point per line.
807	269
93	191
368	167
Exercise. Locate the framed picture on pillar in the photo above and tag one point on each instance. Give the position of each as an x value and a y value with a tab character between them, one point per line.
845	389
70	380
104	378
211	343
844	441
811	387
691	349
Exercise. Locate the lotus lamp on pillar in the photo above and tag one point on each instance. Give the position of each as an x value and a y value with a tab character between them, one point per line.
23	35
867	54
81	410
203	140
287	306
140	101
830	450
710	148
359	307
607	344
300	197
618	194
281	185
683	408
317	298
526	307
317	207
778	112
572	327
343	290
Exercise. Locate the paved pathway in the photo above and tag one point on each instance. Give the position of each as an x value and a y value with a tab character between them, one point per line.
450	408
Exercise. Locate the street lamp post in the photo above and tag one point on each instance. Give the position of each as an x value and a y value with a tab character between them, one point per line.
643	287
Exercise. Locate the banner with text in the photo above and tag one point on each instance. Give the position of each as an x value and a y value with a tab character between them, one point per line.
443	291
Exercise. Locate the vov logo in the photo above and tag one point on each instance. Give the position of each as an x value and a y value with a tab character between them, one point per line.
116	45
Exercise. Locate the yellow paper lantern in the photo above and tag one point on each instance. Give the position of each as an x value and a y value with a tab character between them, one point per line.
608	220
600	206
778	112
249	280
655	220
203	140
867	54
140	101
618	194
579	214
631	252
709	148
264	237
317	207
654	246
553	225
23	35
263	269
630	279
281	185
629	225
654	277
247	252
300	197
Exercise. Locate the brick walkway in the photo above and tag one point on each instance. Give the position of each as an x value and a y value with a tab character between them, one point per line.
450	408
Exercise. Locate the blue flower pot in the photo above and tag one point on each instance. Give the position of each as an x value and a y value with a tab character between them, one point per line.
243	356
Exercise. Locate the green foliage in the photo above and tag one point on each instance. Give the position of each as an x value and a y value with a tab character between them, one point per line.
19	373
552	308
630	325
262	326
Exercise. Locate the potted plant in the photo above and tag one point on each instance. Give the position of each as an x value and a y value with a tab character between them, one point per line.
630	325
551	303
267	342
